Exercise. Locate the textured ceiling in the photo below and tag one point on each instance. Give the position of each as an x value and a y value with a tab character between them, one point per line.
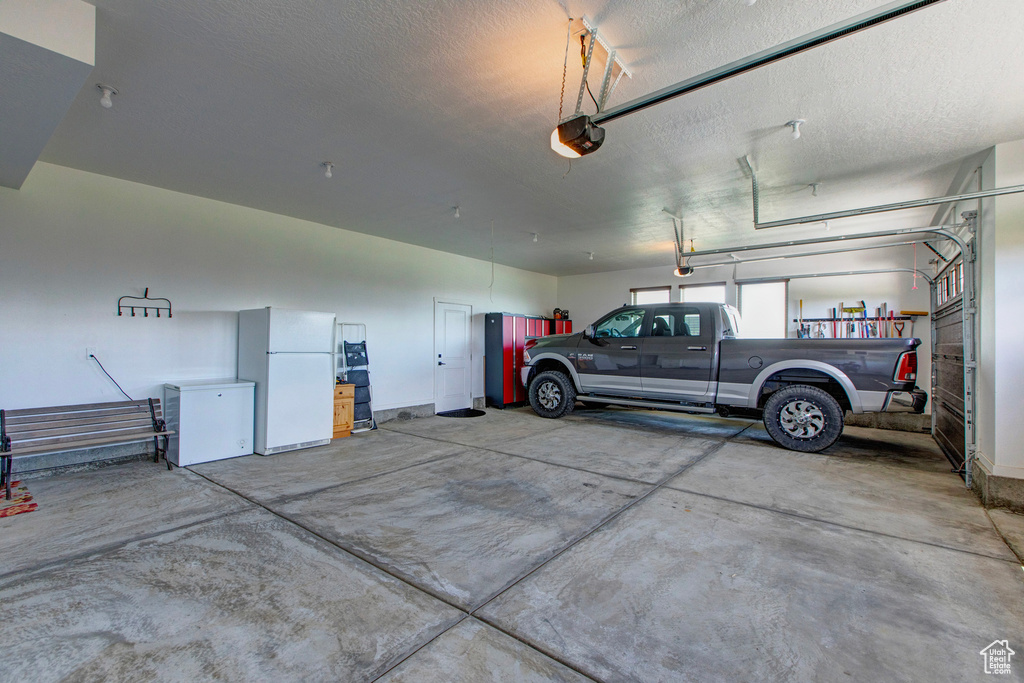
425	106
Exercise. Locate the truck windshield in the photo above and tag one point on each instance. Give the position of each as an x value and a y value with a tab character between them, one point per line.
620	324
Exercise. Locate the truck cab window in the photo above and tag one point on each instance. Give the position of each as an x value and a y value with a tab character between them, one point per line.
676	322
620	324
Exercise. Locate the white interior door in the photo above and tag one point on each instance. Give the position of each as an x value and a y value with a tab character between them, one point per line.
453	372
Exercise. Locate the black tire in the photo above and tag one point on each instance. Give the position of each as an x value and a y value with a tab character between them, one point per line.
803	418
552	394
593	405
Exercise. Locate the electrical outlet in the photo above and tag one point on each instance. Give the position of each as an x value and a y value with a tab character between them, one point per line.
90	351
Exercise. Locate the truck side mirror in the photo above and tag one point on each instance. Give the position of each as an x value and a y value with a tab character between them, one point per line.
589	332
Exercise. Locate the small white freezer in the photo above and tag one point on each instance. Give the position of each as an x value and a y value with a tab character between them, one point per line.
212	419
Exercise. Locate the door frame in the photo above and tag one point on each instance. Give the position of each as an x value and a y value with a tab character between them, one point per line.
434	355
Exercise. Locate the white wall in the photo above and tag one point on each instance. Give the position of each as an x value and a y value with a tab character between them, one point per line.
985	375
71	243
1002	362
589	296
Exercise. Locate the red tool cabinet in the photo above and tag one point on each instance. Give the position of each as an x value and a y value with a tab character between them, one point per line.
505	334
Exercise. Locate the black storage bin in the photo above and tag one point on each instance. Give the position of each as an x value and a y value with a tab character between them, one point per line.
362	395
361	378
361	411
355	354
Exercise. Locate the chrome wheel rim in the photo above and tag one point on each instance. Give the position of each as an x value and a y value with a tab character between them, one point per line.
549	395
801	419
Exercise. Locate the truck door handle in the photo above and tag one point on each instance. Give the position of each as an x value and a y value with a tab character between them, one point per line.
440	363
630	348
696	348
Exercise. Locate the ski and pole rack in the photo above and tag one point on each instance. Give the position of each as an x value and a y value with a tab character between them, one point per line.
353	363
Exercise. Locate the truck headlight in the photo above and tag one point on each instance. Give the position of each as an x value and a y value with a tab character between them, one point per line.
530	343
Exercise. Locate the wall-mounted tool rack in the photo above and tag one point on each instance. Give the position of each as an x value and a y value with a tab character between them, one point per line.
144	302
866	328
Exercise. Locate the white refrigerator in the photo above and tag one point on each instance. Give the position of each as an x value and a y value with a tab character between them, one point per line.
290	356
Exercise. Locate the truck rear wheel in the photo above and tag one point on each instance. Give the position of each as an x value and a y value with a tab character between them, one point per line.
552	394
803	418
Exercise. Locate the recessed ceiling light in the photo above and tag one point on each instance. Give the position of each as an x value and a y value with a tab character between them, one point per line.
105	98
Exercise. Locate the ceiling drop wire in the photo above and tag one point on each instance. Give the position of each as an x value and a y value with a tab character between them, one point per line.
915	266
490	287
565	67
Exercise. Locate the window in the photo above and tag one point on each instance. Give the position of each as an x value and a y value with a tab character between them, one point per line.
710	293
676	322
950	284
621	324
763	310
650	295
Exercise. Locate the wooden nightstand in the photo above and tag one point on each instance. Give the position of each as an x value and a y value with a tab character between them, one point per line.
344	399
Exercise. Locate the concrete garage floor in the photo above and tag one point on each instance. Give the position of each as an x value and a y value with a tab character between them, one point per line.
610	545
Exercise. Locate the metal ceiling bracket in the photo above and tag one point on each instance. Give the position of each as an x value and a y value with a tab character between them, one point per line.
607	84
586	71
677	229
747	169
788	49
606	81
605	96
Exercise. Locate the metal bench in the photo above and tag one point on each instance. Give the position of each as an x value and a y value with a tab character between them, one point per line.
33	431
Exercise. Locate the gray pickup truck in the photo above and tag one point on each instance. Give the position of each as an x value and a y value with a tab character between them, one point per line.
686	357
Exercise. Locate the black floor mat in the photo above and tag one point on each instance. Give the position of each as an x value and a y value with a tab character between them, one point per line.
462	412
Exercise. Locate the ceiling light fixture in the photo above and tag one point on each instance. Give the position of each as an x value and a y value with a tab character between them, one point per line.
108	91
329	173
590	255
558	147
457	215
795	125
535	238
814	189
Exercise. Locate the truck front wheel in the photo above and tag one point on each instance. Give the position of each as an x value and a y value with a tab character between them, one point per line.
552	394
803	418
